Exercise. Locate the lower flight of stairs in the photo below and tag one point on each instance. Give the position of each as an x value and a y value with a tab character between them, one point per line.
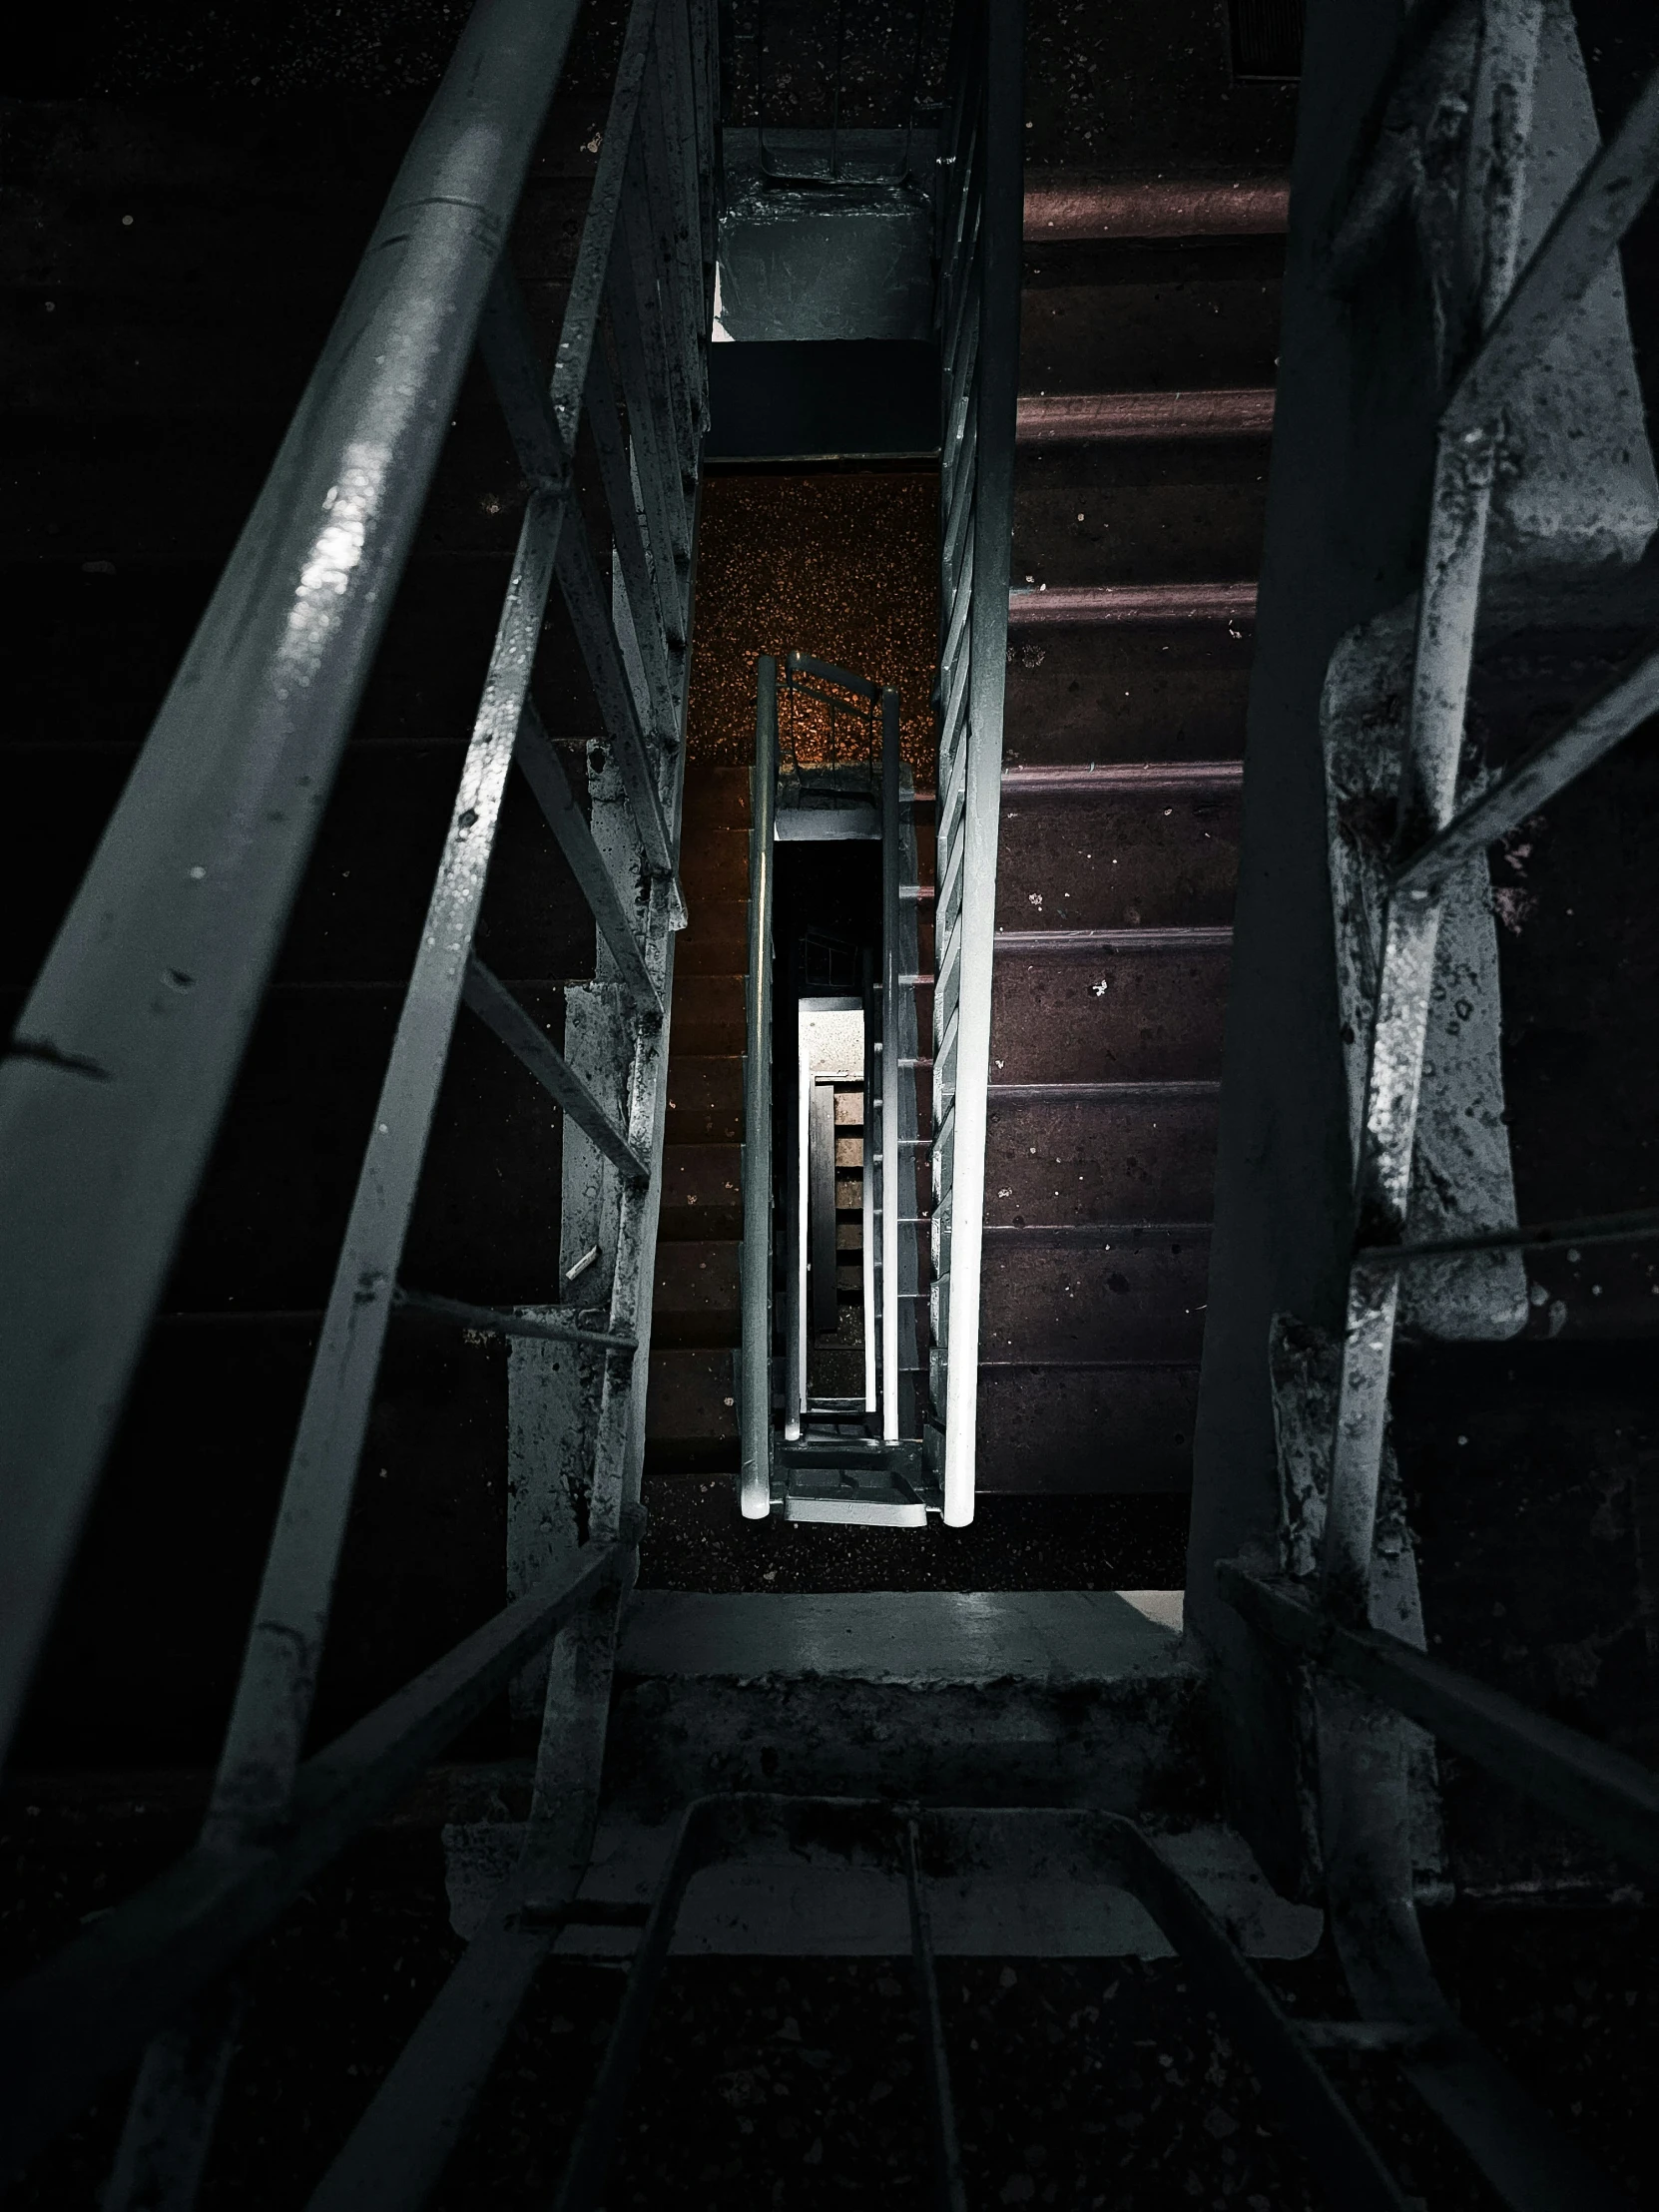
691	1418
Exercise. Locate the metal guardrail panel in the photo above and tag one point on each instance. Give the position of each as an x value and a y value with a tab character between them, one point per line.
133	1037
123	1059
755	1377
1359	1620
980	231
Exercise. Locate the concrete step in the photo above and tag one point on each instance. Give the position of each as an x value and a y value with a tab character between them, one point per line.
1119	418
1133	1005
1097	852
1063	204
690	1417
695	1302
707	1017
984	1697
809	1905
1087	1430
1132	1291
1125	692
705	1096
1057	1153
1131	514
701	1192
1103	317
1063	1698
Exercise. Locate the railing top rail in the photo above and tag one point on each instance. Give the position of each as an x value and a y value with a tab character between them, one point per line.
754	1381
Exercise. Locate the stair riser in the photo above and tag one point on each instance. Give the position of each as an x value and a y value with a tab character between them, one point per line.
1160	1017
1123	1747
1043	1300
1156	859
1092	1159
1196	327
705	1097
696	1297
1121	692
701	1192
1124	1432
691	1420
1201	525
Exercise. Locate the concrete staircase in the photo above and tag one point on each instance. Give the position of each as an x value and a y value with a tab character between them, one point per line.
1147	363
691	1419
1065	1698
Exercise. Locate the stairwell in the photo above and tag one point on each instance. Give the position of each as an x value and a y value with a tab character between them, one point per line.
1034	1668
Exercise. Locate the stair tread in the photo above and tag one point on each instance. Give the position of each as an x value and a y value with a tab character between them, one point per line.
916	1636
809	1903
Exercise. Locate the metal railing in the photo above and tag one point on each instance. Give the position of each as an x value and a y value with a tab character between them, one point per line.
874	715
122	1060
980	211
885	1220
755	1259
919	1844
1339	1621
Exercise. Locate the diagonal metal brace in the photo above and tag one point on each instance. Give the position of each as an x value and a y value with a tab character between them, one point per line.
1596	1788
554	1329
508	347
538	758
498	1009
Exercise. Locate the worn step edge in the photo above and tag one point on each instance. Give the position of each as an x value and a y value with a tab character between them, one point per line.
810	1905
1129	418
1074	206
1226	605
1076	942
916	1638
1124	775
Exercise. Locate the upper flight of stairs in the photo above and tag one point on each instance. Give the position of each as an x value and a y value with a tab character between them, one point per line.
1146	375
176	273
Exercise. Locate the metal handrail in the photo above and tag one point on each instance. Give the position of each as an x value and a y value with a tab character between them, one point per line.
891	1273
755	1366
1360	1621
922	1846
980	216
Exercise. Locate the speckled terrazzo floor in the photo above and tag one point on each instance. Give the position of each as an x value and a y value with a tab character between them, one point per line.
843	565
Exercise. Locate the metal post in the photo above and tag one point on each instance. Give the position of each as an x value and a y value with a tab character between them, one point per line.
867	1189
889	1067
754	1381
